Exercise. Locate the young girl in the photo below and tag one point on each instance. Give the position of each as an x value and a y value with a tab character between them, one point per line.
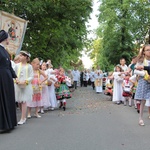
127	86
52	78
117	85
37	88
23	86
62	92
143	87
45	93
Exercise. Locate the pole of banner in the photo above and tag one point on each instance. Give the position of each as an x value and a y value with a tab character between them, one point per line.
11	54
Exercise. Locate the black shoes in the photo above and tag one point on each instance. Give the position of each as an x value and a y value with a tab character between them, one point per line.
64	108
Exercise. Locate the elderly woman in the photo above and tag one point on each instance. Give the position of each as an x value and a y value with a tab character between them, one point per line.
7	97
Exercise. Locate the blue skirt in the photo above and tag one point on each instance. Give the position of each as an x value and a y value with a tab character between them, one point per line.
142	90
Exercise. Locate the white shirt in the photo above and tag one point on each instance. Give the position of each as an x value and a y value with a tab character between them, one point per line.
92	76
13	64
124	68
75	74
2	45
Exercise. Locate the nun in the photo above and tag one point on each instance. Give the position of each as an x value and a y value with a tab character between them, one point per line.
8	118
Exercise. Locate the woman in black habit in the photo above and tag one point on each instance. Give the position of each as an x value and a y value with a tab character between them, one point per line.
8	118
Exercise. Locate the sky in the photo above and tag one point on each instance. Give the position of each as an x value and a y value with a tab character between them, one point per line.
93	23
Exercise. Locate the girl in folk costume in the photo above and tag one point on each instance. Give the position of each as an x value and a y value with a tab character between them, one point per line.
37	88
117	85
45	92
62	92
23	86
127	86
98	81
143	88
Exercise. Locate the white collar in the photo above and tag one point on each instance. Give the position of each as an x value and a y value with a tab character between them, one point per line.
2	45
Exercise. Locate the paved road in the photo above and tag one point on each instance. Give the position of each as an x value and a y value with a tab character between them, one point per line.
90	122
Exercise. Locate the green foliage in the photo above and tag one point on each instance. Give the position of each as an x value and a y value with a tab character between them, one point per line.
56	28
122	22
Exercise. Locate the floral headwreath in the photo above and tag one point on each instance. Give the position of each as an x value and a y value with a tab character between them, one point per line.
26	53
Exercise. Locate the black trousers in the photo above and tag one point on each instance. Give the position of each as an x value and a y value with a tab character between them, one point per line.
75	84
81	83
85	83
93	85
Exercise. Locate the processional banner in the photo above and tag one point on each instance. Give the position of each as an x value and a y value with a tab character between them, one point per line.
16	28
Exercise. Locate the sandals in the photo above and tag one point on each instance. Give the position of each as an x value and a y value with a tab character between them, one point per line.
141	123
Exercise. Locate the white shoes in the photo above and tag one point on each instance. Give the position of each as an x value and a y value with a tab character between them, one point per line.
29	116
22	122
42	111
37	115
52	108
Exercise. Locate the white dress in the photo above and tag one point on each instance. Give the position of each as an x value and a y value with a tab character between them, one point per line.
45	93
51	90
24	93
117	88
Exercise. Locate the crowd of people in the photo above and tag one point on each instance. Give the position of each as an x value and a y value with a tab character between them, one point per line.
127	85
88	77
132	83
37	85
28	85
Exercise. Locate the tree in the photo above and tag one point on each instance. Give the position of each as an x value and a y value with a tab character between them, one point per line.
56	28
122	22
97	55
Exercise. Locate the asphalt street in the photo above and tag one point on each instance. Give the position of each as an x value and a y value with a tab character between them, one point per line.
90	122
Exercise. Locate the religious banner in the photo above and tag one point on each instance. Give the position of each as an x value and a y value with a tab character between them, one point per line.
16	28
